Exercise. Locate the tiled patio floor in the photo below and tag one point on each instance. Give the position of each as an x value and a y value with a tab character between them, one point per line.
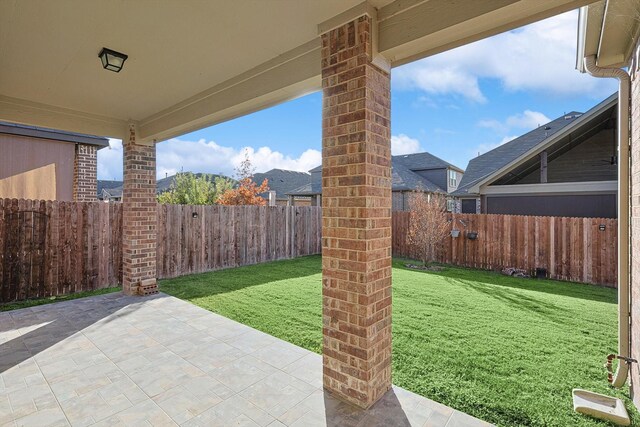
115	360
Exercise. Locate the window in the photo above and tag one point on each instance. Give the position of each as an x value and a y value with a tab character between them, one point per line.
451	204
453	178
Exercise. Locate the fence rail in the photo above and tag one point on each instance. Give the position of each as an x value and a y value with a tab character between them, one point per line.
51	248
193	239
573	249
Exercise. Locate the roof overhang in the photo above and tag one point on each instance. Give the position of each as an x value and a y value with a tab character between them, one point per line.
52	134
608	30
195	64
574	127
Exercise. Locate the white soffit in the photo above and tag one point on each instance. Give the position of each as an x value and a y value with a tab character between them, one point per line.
49	49
619	32
196	63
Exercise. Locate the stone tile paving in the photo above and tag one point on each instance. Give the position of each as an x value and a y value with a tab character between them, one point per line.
113	360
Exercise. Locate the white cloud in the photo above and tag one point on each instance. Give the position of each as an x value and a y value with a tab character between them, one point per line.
110	161
449	79
527	120
403	144
538	57
206	156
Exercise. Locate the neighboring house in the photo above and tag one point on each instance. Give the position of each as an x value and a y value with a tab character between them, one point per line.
281	182
112	190
410	173
47	164
567	167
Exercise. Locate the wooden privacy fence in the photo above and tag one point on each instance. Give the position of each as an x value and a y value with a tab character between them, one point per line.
53	248
573	249
193	239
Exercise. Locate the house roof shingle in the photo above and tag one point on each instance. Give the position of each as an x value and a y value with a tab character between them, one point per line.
402	177
423	161
486	164
282	181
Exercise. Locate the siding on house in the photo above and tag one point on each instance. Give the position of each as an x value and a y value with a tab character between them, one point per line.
39	169
570	205
588	161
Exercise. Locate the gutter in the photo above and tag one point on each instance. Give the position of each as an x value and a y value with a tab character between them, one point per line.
624	94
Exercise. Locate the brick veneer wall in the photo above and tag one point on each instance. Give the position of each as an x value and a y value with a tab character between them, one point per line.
85	185
139	216
356	180
635	229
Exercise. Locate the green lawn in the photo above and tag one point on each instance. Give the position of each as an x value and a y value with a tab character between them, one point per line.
503	349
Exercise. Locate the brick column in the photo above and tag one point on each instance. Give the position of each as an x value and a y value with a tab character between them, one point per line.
139	220
85	185
356	217
635	229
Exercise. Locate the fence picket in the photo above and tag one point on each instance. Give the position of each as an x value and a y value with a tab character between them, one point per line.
83	243
568	248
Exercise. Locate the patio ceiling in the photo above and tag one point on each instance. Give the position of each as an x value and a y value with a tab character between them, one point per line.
195	63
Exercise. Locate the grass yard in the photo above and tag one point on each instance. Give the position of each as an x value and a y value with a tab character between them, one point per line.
503	349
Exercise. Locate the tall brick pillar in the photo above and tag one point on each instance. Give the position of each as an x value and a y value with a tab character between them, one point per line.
635	227
356	217
85	185
139	220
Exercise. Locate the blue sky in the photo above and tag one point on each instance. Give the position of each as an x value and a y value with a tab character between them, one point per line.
454	105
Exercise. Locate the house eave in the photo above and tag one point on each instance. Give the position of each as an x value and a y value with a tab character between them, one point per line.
607	30
553	139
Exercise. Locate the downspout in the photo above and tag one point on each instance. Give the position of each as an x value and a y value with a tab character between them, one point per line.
619	378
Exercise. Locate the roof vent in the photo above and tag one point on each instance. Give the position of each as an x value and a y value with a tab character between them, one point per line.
547	127
575	116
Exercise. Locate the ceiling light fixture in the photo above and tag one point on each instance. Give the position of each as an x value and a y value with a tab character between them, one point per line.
112	60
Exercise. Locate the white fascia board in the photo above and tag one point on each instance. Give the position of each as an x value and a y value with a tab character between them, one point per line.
591	187
541	147
413	29
31	113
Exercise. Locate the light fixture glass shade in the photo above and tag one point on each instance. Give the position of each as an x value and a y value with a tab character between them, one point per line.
112	60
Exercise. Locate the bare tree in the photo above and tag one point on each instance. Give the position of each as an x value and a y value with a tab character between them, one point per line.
428	224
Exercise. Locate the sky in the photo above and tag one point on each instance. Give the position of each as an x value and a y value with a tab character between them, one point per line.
455	105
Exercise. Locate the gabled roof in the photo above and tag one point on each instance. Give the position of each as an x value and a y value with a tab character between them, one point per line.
282	181
107	184
54	134
402	178
111	193
423	161
487	166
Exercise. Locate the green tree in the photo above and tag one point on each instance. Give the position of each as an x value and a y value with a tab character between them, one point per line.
191	189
